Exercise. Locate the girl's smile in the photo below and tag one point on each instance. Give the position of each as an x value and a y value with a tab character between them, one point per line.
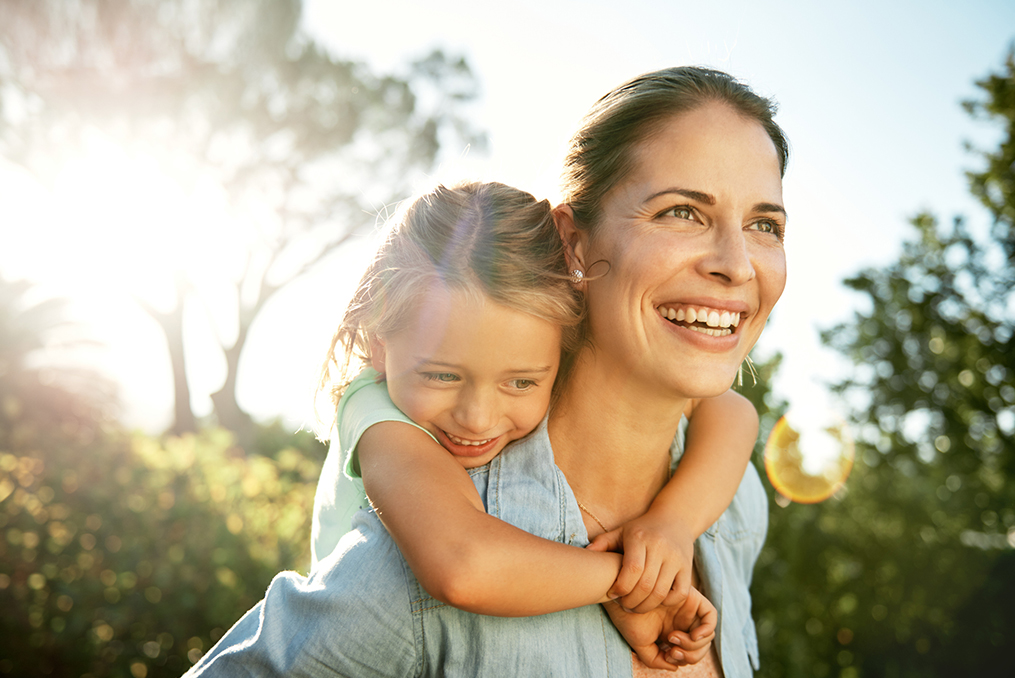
476	374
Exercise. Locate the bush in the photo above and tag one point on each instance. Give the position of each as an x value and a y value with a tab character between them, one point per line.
126	555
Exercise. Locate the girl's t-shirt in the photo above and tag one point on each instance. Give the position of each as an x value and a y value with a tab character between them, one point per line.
340	491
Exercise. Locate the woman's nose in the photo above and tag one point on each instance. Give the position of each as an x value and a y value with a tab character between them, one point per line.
476	412
729	258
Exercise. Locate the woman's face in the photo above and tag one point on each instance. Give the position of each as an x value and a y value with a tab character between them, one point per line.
694	240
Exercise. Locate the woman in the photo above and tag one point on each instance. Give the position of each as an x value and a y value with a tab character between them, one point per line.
675	182
673	212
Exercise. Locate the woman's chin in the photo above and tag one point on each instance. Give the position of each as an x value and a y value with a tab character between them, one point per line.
704	382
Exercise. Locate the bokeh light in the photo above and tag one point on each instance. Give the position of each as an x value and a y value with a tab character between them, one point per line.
809	455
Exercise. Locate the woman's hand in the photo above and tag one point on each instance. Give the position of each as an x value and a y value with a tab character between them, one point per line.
668	636
658	552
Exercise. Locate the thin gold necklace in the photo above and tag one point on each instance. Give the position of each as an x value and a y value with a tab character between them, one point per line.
591	514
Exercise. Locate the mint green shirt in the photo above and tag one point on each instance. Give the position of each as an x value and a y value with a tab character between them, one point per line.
340	491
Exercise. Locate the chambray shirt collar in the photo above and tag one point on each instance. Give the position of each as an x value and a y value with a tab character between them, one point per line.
526	488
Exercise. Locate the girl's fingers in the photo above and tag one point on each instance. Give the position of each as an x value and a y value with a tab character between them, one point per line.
708	618
608	541
683	640
643	597
652	657
662	586
630	574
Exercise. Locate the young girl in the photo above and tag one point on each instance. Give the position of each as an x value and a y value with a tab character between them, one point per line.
464	315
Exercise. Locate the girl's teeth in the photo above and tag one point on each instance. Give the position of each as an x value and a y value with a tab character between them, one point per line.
713	319
471	443
692	315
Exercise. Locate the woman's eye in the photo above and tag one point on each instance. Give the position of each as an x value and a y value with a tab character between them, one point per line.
769	226
442	377
682	212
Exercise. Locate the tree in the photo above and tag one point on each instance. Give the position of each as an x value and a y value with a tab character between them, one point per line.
40	401
305	147
909	572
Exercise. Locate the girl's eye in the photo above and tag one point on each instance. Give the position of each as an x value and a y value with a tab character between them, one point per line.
522	384
442	377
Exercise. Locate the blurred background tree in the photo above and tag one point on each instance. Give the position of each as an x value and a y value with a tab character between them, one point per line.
305	148
909	571
127	555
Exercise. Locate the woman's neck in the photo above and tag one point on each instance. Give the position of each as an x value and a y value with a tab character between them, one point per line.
612	438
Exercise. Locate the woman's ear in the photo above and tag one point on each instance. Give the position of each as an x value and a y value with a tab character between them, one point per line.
377	353
574	238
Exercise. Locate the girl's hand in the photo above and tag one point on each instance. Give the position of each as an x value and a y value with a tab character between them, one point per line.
657	562
668	636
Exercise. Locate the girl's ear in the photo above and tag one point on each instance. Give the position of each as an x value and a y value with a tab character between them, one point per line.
377	354
574	238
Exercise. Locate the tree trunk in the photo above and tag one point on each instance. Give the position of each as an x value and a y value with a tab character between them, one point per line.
183	415
227	410
172	327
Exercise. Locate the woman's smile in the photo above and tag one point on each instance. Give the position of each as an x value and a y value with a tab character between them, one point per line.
711	321
693	236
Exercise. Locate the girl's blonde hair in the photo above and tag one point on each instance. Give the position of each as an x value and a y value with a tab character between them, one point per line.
480	238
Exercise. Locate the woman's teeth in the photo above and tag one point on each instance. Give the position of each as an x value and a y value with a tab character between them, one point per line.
462	441
716	323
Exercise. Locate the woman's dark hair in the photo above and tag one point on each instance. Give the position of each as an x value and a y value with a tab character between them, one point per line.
601	152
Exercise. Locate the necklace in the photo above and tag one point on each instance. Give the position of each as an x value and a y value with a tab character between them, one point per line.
591	514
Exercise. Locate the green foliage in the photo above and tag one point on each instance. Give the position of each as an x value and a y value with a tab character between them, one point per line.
125	555
909	571
995	185
305	147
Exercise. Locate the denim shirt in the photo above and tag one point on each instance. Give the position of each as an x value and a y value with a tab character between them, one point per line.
361	612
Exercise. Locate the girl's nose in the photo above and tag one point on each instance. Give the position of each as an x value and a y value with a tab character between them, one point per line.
476	412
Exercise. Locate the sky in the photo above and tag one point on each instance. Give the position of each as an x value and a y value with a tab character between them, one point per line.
869	94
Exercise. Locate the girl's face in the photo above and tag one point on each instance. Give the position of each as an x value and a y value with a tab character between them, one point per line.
694	241
475	374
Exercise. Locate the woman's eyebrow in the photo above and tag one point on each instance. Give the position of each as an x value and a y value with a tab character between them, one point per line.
687	193
769	207
709	199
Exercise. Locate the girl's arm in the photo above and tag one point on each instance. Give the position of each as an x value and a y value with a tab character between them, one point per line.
460	554
658	547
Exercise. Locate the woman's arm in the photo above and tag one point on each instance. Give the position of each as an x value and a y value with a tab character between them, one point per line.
461	555
659	546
